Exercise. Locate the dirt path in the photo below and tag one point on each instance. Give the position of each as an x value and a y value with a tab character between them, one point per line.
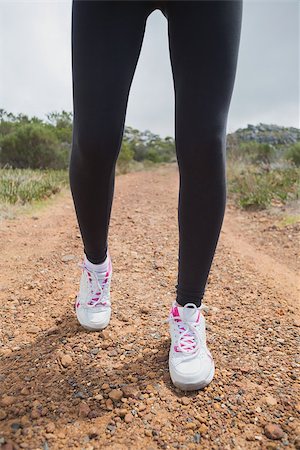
49	401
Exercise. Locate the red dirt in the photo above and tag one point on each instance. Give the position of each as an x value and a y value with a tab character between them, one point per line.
252	319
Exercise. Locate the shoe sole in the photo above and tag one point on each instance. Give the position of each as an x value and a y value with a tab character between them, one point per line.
195	386
93	329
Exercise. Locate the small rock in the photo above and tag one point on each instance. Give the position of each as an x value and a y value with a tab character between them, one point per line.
67	258
122	412
115	395
66	360
106	334
3	414
16	426
5	351
131	391
197	438
93	414
185	401
25	391
270	400
111	428
84	409
128	418
109	404
273	431
79	394
7	400
50	427
203	428
95	351
35	414
33	329
190	425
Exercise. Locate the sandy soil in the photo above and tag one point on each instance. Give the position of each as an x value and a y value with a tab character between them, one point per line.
63	387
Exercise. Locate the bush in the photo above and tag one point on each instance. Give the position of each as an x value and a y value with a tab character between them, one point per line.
254	188
293	154
24	185
125	157
34	146
257	153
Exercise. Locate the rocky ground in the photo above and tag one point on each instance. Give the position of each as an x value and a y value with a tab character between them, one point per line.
63	387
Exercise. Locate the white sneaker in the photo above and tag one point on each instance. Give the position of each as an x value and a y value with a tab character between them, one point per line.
191	364
92	305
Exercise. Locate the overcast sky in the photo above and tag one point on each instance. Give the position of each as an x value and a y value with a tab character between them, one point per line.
36	78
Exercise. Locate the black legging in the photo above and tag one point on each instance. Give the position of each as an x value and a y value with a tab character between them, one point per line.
204	41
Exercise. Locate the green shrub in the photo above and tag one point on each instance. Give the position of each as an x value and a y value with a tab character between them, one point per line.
254	188
257	153
125	157
34	146
293	154
24	185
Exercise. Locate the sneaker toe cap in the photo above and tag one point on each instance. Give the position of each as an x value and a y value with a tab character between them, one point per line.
94	319
192	371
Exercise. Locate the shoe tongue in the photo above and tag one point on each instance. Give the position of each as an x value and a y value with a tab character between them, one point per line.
185	314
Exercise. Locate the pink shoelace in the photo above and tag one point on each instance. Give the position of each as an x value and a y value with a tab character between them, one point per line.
189	341
97	281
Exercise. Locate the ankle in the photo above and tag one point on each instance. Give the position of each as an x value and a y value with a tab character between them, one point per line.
98	267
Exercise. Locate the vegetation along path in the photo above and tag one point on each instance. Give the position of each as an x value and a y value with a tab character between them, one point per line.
63	387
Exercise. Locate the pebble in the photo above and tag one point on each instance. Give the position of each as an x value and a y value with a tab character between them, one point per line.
3	414
128	418
66	258
109	404
273	431
66	360
115	394
84	409
95	351
197	438
185	401
270	400
25	391
50	427
35	414
190	425
7	400
5	351
131	391
122	412
203	428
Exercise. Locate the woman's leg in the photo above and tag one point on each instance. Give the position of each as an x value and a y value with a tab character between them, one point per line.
204	41
106	41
